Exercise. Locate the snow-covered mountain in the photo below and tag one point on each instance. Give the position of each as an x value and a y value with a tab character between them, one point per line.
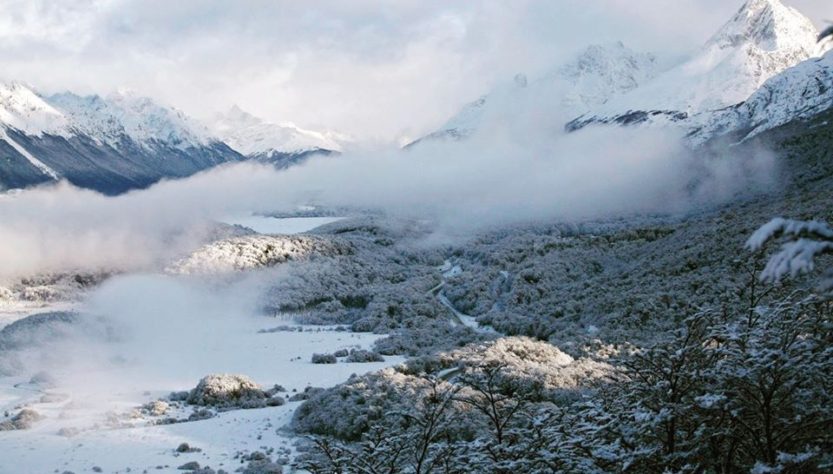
24	110
272	142
598	74
112	144
124	141
601	73
762	39
125	114
799	93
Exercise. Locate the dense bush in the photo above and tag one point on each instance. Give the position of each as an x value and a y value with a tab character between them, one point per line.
737	392
227	391
324	359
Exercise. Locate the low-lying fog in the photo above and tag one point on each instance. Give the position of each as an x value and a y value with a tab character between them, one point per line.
513	173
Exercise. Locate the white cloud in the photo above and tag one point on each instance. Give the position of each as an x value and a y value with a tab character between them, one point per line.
374	69
505	175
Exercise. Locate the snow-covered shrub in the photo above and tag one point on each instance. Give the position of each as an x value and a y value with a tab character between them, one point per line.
523	361
227	391
308	393
275	401
43	294
411	437
156	408
23	420
360	401
726	394
261	466
451	408
324	359
256	251
363	356
427	336
50	287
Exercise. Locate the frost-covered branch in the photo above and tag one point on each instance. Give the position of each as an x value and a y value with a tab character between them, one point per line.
806	240
779	226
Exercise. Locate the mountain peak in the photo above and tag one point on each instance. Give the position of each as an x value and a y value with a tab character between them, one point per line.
769	25
253	136
236	116
127	113
24	109
762	39
594	76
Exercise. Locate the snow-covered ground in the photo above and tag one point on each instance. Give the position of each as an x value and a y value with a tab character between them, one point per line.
165	334
279	357
148	448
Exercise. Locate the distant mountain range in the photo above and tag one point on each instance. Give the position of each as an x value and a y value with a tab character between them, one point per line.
762	69
124	141
763	39
595	76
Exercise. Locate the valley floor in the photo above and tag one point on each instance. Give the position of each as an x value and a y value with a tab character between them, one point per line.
592	290
135	445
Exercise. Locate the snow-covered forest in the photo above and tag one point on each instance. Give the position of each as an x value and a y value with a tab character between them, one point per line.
522	237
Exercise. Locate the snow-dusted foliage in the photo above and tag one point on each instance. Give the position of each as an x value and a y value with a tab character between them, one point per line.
726	393
255	251
805	241
453	408
37	290
385	285
363	356
225	391
528	360
23	420
324	359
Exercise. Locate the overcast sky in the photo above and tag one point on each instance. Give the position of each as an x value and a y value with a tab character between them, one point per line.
378	70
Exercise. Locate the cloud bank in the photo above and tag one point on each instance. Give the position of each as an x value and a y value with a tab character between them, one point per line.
376	70
507	174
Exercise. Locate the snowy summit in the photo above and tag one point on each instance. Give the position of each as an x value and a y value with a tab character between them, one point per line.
762	39
257	138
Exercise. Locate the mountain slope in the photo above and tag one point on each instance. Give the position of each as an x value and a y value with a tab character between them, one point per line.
127	115
598	74
22	109
279	144
111	144
799	93
762	39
